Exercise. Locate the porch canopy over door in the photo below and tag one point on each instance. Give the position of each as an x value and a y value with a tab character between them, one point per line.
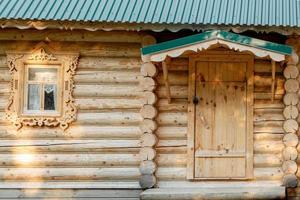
202	41
171	49
163	52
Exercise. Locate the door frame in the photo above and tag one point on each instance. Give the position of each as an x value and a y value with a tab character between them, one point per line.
219	56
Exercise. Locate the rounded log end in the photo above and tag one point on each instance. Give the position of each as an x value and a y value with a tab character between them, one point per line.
289	167
291	85
148	69
147	167
148	126
149	98
290	126
148	112
290	140
147	181
147	153
290	153
290	180
290	99
291	71
148	140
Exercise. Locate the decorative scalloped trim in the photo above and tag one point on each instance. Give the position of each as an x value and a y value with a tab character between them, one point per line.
159	57
95	26
69	110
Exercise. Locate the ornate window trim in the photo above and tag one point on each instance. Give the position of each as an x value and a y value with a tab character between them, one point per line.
42	54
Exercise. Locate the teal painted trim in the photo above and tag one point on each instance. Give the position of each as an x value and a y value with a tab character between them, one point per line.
211	35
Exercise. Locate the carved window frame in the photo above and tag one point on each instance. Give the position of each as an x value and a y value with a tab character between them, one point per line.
41	55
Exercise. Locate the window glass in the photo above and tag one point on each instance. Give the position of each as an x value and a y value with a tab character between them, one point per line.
33	97
50	97
42	74
42	88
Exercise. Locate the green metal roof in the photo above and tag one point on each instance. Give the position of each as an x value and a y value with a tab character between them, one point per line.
204	12
210	35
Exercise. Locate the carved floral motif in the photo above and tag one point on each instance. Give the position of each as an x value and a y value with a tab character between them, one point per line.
69	111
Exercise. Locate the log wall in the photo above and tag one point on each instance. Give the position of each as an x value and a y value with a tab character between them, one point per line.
98	156
172	127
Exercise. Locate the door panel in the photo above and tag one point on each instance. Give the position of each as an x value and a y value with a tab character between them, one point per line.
221	120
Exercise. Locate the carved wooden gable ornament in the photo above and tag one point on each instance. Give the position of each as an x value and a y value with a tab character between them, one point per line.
42	55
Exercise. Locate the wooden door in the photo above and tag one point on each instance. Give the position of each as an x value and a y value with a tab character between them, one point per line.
222	133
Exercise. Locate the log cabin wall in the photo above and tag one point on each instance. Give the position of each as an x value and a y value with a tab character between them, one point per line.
98	156
172	127
294	193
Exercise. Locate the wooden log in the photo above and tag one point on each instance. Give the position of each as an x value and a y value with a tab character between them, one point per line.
147	84
148	112
268	147
267	160
169	132
147	181
172	118
74	132
106	91
100	49
265	104
179	173
148	69
268	127
291	85
176	105
290	112
290	153
268	137
180	92
267	96
290	126
291	71
290	180
107	103
148	126
106	77
289	167
71	193
109	63
171	160
290	99
149	98
147	167
266	80
175	78
72	36
37	185
32	159
71	145
293	59
31	174
165	65
224	193
108	118
260	116
148	40
264	66
148	140
147	153
179	160
290	140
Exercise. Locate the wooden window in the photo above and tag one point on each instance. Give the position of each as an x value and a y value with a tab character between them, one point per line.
220	123
41	87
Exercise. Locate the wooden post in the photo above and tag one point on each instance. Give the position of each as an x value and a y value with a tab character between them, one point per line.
166	79
148	125
290	125
273	80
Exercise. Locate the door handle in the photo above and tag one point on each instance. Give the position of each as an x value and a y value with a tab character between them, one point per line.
195	100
